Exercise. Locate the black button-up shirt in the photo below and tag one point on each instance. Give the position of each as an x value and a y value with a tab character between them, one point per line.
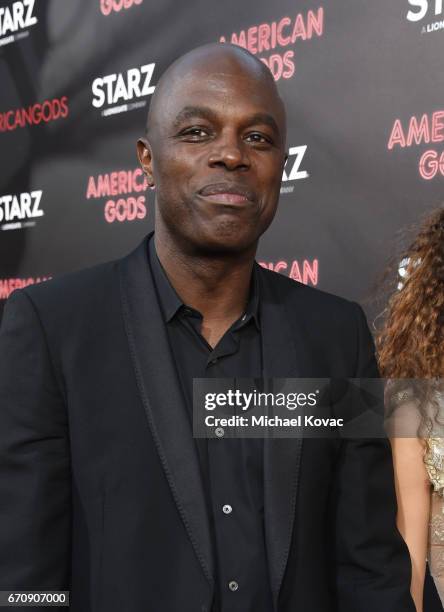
232	469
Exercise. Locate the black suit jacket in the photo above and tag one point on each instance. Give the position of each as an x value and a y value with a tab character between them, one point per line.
99	481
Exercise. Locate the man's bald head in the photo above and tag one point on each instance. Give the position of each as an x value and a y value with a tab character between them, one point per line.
200	64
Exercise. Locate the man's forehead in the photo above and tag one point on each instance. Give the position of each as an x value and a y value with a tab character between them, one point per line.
223	92
220	59
208	79
219	77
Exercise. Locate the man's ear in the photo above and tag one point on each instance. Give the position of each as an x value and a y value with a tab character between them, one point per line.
145	159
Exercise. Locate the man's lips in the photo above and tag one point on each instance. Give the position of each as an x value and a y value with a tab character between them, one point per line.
227	193
228	198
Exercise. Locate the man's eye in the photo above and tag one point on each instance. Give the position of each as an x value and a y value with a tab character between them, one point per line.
259	138
195	132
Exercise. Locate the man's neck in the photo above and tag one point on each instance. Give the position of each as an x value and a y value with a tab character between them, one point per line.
218	287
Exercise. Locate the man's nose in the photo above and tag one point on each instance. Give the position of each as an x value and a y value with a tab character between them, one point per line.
230	152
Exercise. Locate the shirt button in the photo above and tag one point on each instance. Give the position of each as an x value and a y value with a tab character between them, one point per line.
227	509
233	586
214	360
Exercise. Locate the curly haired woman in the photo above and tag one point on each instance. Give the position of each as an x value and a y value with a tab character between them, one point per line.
411	346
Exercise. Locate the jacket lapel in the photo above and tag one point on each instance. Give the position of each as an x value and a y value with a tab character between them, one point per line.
282	358
162	399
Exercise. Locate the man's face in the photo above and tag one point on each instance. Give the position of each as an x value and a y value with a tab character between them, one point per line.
216	154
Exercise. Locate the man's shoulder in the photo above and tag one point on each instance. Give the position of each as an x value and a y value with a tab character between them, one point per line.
75	292
312	299
75	279
95	284
335	329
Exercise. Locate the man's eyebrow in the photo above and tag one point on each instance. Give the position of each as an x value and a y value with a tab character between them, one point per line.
194	111
188	112
266	119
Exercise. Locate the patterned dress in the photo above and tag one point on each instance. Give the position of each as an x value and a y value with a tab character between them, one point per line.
434	462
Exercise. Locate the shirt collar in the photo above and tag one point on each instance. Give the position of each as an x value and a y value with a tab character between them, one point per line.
171	303
253	305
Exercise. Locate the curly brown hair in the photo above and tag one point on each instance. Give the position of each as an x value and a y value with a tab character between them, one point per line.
411	342
410	345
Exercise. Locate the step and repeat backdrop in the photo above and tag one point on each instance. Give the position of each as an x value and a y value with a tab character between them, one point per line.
363	85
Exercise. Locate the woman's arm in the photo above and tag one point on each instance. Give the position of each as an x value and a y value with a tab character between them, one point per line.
413	494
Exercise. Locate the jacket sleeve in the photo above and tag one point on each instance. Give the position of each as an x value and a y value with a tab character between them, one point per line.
373	569
35	484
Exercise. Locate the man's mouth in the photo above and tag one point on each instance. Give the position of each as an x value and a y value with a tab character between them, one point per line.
227	198
227	193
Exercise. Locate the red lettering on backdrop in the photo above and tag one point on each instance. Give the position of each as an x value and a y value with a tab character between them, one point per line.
108	6
423	131
438	126
397	135
49	110
431	164
285	32
8	285
309	274
125	209
116	183
419	131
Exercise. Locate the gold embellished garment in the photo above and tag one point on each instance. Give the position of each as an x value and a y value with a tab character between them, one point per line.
434	462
